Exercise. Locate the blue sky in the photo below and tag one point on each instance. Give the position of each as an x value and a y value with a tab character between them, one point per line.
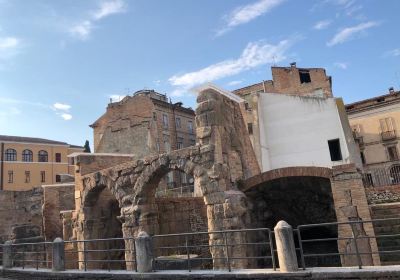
61	61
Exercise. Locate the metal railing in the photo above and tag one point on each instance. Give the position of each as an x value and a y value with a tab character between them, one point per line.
194	249
108	253
380	177
36	255
346	243
388	135
358	237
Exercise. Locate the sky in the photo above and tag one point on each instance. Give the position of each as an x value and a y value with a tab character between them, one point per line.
62	60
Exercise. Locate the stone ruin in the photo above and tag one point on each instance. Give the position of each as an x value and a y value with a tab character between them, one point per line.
116	192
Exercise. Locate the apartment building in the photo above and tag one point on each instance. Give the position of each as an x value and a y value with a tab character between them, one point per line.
375	123
30	162
144	124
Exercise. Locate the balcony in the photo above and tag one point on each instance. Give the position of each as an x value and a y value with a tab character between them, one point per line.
388	135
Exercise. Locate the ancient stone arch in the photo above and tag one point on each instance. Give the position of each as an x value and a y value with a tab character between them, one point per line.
221	158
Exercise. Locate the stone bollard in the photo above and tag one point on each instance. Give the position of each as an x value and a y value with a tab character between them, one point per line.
144	252
285	247
58	255
7	255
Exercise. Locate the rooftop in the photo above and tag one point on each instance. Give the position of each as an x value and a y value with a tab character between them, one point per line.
20	139
392	96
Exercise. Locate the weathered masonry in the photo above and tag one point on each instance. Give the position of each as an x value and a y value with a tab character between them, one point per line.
115	194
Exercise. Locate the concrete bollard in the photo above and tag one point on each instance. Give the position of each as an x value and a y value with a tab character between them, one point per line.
285	247
7	255
144	252
58	255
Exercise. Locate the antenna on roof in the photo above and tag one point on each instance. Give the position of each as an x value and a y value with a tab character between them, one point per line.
274	60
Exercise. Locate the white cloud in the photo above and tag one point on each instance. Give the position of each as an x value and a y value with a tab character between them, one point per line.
9	47
255	54
341	65
394	52
244	14
116	97
61	107
66	116
108	8
234	83
348	33
322	24
83	29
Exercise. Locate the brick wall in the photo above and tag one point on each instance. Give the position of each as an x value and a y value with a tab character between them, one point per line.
56	198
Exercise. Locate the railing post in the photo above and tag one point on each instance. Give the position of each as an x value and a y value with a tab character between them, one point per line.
285	247
58	256
271	246
356	246
228	258
303	263
144	252
187	253
7	254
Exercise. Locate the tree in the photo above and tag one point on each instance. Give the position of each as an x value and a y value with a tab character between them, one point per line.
86	147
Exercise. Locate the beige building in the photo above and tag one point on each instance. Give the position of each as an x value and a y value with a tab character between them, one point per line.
30	162
375	123
145	124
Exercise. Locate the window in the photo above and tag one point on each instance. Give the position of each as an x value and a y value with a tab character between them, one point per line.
190	126
387	124
367	179
192	142
27	155
395	174
178	122
58	157
167	147
58	178
165	121
27	176
250	128
43	156
392	152
42	176
304	76
154	116
179	144
334	149
363	158
11	155
10	176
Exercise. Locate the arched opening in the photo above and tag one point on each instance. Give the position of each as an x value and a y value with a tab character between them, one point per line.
178	212
299	200
101	216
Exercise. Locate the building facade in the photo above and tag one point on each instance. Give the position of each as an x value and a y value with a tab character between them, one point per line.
30	162
145	124
294	120
375	123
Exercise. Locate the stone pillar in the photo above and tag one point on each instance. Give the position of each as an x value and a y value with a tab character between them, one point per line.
58	255
7	255
285	247
144	252
351	205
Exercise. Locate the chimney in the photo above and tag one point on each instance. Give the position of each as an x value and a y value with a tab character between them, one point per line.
391	90
293	64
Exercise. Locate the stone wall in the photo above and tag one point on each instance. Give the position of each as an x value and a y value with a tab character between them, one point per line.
56	198
19	208
385	194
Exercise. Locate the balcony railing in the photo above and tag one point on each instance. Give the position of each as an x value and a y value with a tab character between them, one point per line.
388	135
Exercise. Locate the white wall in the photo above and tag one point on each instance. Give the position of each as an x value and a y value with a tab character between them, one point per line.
294	131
